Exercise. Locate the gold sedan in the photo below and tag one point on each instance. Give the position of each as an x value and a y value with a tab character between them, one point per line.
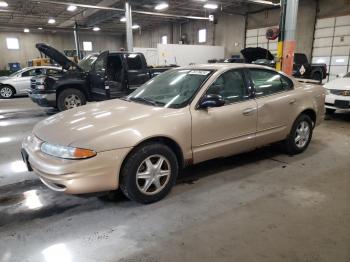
181	117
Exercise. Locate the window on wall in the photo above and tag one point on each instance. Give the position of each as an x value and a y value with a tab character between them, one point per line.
87	46
12	43
164	39
202	36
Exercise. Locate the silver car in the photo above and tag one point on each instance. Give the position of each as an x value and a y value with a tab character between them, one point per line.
19	82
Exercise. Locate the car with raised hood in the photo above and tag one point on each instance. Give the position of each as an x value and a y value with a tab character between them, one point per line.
181	117
109	74
338	94
18	83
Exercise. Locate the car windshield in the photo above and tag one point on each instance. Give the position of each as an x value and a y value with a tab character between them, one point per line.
87	62
173	88
17	72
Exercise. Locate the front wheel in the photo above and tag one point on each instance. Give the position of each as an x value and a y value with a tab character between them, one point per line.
300	135
6	92
70	98
149	173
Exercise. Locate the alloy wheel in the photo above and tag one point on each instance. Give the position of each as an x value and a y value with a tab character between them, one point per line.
153	174
72	101
302	134
6	92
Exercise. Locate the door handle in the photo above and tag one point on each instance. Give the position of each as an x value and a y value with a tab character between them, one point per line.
248	111
292	101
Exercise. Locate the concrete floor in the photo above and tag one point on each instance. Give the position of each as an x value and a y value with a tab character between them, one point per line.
259	206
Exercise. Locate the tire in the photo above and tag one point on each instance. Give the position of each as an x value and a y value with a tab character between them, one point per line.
70	98
7	92
292	146
317	76
330	111
138	177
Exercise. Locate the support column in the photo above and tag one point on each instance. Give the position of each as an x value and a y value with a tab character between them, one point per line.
129	36
76	39
290	23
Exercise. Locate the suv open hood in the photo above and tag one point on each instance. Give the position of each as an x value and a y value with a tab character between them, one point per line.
251	54
57	56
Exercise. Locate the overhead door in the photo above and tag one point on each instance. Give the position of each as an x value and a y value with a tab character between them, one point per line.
257	38
332	44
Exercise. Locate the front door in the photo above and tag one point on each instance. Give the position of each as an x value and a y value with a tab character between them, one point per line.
226	130
97	78
276	105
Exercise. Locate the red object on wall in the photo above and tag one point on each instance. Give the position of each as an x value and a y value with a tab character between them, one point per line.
272	33
288	56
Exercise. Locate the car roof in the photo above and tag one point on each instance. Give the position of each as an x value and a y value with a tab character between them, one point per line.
224	66
36	67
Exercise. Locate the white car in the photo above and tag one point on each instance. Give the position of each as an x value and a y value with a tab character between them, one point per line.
19	82
338	94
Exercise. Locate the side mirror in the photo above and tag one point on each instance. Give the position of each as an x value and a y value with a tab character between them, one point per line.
211	101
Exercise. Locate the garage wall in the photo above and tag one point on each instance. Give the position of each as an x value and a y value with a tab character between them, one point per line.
60	41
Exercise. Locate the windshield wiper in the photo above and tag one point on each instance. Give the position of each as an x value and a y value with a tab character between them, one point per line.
145	100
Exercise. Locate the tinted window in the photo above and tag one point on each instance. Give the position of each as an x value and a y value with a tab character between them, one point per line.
134	62
231	86
300	59
269	82
52	72
100	64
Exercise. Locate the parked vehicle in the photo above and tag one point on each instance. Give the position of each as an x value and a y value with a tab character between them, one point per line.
96	77
301	67
338	94
184	116
18	83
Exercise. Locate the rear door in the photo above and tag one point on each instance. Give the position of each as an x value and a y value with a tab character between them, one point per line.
137	71
276	104
98	78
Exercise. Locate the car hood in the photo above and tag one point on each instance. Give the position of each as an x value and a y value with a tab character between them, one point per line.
57	56
114	120
2	78
251	54
339	84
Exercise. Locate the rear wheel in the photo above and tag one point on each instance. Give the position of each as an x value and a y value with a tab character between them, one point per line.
149	173
70	98
6	92
330	111
300	135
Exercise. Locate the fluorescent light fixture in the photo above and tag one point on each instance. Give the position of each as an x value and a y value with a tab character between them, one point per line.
263	2
26	30
51	21
123	19
40	28
211	6
135	27
96	28
3	4
72	8
161	6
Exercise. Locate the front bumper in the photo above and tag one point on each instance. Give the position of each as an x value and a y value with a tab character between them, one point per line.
96	174
337	101
45	100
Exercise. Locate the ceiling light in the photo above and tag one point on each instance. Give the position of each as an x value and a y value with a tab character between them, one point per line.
123	19
263	2
96	28
161	6
26	30
3	4
40	28
51	21
72	8
135	27
211	6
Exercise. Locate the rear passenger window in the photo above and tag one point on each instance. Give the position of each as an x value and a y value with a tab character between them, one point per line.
231	86
269	82
134	62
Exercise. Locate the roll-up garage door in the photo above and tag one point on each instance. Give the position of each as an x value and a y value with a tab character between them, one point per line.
257	38
332	44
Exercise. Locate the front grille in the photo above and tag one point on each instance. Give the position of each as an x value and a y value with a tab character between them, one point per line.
340	92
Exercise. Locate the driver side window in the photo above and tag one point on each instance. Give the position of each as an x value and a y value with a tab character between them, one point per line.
100	65
231	86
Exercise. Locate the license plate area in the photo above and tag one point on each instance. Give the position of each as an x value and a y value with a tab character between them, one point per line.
341	104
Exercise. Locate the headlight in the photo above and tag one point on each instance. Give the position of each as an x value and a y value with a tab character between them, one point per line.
66	151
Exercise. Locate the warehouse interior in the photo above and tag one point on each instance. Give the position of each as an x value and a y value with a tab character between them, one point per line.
258	205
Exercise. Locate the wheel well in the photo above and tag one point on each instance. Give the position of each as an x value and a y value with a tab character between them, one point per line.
10	86
163	140
310	113
73	86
